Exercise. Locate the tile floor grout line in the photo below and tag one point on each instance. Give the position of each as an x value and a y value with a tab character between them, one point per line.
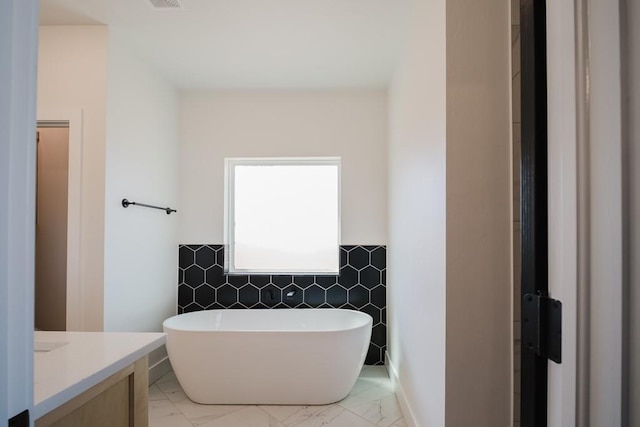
400	417
359	416
161	392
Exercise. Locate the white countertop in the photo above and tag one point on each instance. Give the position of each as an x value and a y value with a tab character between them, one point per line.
86	359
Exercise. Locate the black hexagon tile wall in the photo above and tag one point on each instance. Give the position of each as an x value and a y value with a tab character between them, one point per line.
361	285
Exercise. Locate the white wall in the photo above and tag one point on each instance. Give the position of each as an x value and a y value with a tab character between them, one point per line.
127	255
449	256
416	254
350	123
479	221
140	284
72	75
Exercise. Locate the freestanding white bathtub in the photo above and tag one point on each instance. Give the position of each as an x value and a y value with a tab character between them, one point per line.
276	357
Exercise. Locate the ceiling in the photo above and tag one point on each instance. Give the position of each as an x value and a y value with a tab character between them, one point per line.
254	44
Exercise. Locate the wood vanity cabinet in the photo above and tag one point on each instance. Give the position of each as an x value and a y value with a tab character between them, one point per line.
119	401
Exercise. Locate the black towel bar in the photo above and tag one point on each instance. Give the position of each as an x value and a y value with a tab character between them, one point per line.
126	204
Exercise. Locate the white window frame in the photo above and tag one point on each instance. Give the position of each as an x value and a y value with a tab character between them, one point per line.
229	192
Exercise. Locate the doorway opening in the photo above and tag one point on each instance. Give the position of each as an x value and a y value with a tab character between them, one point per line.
51	121
52	195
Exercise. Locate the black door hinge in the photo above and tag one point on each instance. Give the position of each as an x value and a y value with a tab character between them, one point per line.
542	326
20	420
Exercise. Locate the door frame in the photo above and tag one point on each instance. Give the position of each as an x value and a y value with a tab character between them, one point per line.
18	81
601	214
533	203
75	290
563	150
586	197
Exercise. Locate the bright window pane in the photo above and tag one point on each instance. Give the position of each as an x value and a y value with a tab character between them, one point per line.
285	218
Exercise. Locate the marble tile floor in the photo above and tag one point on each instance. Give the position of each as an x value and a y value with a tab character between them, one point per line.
372	402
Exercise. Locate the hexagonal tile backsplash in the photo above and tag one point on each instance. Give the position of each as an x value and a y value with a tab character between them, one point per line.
361	285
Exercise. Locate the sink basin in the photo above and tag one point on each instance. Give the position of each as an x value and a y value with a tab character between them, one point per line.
45	346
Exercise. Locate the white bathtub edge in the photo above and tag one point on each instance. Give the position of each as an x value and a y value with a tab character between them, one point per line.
409	418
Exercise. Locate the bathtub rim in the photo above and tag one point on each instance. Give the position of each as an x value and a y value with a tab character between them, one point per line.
367	322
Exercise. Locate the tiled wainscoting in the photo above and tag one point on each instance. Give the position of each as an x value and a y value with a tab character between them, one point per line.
361	285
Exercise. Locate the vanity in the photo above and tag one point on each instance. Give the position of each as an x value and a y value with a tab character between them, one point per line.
92	378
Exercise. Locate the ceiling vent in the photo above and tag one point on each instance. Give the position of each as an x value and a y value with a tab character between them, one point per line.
165	4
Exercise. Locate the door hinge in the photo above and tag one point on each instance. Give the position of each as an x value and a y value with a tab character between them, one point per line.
20	420
542	326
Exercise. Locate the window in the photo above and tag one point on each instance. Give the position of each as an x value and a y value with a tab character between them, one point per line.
282	215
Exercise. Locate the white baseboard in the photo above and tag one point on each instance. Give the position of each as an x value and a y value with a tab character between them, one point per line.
409	417
159	369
